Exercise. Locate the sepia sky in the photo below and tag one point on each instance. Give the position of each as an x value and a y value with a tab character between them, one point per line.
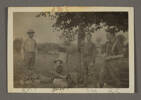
23	21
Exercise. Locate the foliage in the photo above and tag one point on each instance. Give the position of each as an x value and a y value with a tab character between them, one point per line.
73	22
81	23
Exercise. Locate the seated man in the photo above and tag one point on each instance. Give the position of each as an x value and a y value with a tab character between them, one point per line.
59	80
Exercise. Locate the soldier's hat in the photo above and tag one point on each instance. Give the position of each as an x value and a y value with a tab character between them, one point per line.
30	31
58	60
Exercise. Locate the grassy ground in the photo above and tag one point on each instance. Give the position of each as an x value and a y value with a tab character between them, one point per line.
44	66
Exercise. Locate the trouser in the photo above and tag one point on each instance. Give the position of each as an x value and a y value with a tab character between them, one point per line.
86	65
29	60
109	71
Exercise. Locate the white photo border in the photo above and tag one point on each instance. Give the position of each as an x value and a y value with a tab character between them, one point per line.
10	66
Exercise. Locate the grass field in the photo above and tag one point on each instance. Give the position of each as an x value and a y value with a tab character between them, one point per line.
44	66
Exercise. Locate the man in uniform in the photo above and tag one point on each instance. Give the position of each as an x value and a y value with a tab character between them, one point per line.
30	50
89	55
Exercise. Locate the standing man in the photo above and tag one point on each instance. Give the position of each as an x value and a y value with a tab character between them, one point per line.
30	49
89	55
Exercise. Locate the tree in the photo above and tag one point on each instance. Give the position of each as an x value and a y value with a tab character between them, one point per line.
80	23
72	23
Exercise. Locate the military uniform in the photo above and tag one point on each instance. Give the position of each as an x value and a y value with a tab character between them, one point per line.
29	49
108	72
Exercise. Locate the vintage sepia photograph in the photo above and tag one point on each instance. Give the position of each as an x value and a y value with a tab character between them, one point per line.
70	50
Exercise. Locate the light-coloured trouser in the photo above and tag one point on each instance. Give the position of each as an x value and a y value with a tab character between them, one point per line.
29	60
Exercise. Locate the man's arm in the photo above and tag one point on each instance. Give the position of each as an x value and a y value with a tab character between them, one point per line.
36	47
114	57
59	75
107	49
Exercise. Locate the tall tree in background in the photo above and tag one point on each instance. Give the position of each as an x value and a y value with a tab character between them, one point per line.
72	23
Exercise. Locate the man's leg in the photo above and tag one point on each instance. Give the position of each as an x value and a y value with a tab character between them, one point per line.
85	73
32	61
26	60
101	77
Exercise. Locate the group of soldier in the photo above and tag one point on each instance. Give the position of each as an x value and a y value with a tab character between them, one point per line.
88	57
